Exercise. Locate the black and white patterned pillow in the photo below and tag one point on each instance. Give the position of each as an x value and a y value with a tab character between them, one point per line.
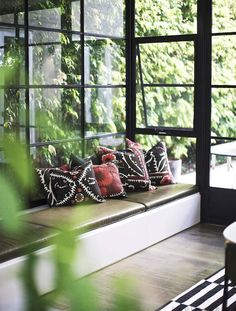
158	165
132	173
77	161
69	187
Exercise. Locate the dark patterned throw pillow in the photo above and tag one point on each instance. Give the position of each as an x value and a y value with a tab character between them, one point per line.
132	174
158	165
108	179
77	161
69	187
137	150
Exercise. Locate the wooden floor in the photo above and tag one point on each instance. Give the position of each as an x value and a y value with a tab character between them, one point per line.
168	268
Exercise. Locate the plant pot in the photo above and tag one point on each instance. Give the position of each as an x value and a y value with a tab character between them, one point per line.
176	168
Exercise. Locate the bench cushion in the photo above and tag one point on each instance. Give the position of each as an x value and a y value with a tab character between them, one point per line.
43	223
86	216
162	195
33	238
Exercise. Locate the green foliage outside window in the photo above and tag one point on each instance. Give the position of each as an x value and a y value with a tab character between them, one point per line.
55	58
163	17
168	63
161	65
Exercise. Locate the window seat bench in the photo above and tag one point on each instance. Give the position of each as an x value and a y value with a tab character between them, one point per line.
107	232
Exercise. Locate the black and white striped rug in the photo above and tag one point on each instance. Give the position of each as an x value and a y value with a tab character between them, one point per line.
205	295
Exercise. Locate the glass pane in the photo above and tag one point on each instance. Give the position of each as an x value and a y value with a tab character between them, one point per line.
7	18
55	14
104	17
12	54
104	61
166	107
104	110
12	112
54	59
55	154
224	60
114	142
223	164
178	148
167	62
165	17
44	14
54	114
75	8
224	16
9	8
223	117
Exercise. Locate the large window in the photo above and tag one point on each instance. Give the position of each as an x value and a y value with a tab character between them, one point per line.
165	67
77	74
63	76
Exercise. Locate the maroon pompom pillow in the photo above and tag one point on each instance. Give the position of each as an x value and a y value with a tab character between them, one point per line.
108	179
131	166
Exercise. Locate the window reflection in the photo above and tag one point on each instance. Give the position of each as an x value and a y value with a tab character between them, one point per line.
12	108
62	15
12	55
104	110
104	61
53	58
54	114
223	164
104	17
75	16
10	11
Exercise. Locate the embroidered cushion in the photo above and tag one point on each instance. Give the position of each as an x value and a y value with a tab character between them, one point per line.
108	179
158	165
137	150
69	187
132	174
77	161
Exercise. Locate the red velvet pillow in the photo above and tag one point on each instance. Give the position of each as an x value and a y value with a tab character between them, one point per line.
108	179
132	174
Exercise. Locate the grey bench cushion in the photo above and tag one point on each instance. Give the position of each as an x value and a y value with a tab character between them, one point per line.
86	216
162	195
33	238
44	223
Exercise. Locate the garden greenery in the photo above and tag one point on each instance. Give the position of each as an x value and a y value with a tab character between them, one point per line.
55	113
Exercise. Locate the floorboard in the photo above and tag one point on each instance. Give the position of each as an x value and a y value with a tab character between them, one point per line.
168	268
164	270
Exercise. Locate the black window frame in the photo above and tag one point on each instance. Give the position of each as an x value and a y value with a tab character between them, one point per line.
165	130
82	86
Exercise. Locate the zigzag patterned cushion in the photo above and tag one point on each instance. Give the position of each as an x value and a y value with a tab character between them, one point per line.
69	187
158	165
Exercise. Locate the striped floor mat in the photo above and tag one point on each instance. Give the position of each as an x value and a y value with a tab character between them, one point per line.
205	295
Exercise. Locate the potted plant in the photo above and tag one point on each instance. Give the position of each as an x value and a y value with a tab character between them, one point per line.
177	149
